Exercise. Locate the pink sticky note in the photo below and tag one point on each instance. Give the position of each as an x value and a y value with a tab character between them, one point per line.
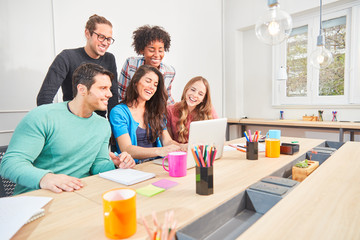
164	183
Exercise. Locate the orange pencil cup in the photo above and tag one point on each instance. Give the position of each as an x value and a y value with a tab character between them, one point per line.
272	147
119	213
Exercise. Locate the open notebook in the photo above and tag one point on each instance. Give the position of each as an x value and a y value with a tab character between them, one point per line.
126	176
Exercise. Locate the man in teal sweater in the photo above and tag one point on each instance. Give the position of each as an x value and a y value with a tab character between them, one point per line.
57	144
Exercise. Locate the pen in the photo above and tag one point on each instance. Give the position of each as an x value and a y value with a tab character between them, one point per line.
237	148
240	146
256	136
247	139
250	135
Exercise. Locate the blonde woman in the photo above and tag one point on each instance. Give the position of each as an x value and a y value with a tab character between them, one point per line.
195	105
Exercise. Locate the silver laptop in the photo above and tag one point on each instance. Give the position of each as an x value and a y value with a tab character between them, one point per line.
207	132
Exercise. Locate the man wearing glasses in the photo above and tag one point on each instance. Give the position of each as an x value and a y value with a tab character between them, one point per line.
98	32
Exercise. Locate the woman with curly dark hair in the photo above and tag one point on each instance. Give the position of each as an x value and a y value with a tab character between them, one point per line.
195	105
139	121
151	42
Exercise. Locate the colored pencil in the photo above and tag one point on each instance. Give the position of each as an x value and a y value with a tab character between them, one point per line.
195	157
205	154
213	160
201	159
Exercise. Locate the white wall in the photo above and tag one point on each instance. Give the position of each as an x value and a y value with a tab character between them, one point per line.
194	26
248	67
26	51
33	32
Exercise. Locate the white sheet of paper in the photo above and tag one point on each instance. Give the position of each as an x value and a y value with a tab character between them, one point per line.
16	211
228	148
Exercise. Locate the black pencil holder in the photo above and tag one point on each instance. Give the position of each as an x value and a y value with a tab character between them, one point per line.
252	150
204	180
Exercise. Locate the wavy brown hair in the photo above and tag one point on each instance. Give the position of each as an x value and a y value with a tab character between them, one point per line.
201	111
155	108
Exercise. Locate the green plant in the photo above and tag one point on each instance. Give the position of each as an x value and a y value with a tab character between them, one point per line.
302	164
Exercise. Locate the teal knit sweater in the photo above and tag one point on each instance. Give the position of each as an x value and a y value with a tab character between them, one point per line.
52	139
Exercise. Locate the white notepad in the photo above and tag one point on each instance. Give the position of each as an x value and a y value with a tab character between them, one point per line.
126	176
38	214
17	210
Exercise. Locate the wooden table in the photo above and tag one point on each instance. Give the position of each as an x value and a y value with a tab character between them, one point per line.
78	215
67	216
325	205
340	126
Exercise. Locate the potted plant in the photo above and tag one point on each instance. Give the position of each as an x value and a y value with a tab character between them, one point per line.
304	168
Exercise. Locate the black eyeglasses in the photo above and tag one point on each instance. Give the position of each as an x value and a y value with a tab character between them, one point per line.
102	38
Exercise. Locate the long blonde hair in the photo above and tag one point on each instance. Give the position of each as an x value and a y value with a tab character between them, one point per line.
201	111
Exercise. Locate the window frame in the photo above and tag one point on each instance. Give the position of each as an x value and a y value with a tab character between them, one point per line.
352	57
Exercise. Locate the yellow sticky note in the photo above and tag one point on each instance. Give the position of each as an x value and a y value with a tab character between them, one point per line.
149	190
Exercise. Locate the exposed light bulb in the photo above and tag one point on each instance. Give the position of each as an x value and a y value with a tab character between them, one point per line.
274	26
321	57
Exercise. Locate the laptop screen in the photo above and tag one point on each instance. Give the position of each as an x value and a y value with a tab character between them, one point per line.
208	132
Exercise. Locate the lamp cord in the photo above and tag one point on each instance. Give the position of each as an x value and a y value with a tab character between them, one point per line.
320	33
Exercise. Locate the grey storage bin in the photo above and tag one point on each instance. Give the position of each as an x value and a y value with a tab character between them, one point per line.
231	219
323	151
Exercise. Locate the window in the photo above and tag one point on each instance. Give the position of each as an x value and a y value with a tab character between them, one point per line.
310	86
331	79
296	62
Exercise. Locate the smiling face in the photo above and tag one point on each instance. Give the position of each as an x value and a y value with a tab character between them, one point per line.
154	53
95	48
195	94
147	86
97	97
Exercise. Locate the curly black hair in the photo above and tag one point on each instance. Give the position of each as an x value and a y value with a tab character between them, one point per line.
146	34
